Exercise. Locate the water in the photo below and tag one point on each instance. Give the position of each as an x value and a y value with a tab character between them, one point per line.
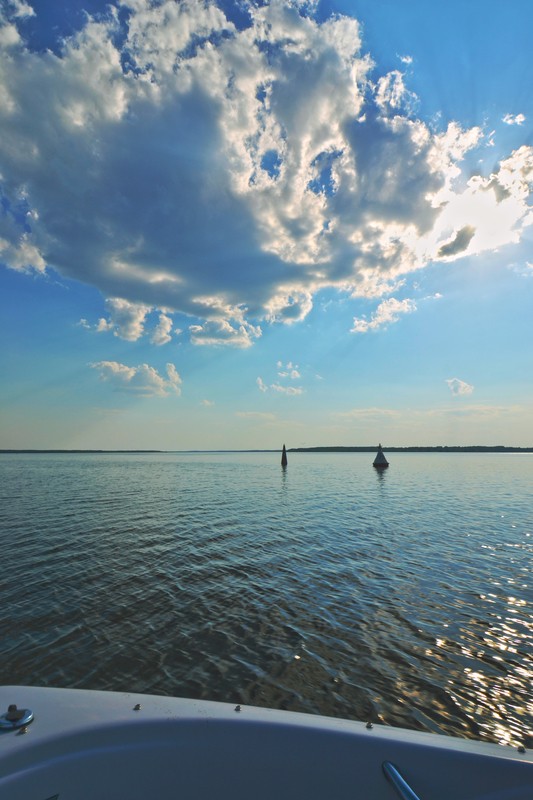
402	597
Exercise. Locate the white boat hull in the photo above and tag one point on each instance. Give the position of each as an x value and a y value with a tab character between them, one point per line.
89	745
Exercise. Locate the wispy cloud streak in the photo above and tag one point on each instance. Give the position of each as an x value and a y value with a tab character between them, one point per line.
388	312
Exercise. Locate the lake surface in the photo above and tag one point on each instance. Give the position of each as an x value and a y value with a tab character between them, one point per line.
403	597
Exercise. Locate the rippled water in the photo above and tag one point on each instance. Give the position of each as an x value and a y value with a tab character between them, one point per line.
402	597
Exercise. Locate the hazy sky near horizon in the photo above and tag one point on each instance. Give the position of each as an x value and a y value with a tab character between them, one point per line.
234	224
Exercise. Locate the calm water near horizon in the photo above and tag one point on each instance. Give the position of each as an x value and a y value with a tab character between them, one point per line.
403	597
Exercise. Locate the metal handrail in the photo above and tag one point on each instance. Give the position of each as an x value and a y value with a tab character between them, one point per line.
399	783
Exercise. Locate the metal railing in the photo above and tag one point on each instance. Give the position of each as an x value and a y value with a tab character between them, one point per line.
399	783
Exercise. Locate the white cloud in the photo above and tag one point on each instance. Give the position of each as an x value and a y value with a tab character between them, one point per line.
222	332
20	254
458	387
181	152
288	370
289	306
174	380
388	312
19	8
290	390
126	319
142	380
279	388
162	333
208	403
103	325
514	119
392	94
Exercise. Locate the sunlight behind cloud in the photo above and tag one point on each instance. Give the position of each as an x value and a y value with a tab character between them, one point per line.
164	150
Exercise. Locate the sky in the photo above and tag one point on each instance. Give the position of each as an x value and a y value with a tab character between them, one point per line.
233	225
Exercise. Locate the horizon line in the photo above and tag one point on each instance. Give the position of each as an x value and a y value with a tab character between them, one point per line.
310	449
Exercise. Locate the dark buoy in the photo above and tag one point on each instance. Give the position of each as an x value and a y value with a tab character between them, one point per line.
284	457
380	462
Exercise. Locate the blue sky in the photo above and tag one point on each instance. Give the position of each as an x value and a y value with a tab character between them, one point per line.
236	225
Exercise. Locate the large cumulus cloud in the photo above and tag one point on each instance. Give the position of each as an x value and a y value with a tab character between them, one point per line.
180	162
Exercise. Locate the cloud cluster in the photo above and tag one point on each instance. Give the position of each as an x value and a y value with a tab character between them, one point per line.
286	372
278	387
514	119
142	380
222	332
181	162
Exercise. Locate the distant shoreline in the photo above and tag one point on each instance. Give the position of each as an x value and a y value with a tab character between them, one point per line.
132	452
416	449
328	449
